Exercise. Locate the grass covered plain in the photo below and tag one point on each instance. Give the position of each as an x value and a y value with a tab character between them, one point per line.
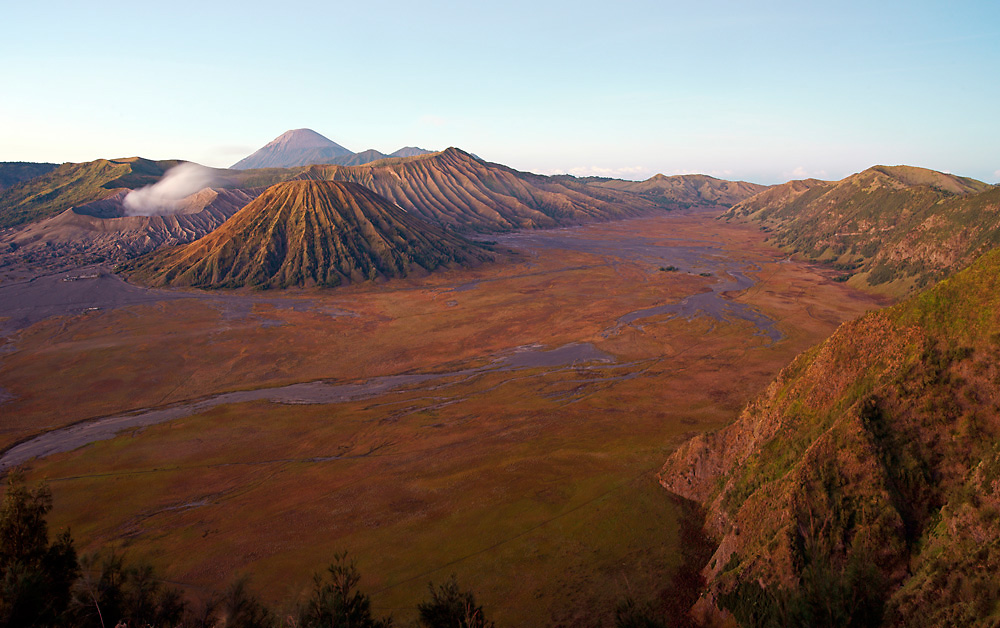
535	486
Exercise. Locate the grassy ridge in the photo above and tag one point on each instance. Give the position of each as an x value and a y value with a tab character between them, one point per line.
685	190
879	445
892	229
12	172
75	184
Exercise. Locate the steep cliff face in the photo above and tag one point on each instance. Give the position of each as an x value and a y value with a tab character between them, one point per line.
873	458
891	229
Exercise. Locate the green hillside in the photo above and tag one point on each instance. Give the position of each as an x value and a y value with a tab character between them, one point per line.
866	479
888	229
686	190
12	172
73	184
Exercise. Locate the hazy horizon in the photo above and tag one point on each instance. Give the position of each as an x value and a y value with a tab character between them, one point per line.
763	94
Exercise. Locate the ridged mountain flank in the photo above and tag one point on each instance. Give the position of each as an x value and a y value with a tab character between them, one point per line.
309	233
889	229
863	487
454	189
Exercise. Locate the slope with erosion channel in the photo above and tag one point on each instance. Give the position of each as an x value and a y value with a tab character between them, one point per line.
896	229
463	193
309	233
867	473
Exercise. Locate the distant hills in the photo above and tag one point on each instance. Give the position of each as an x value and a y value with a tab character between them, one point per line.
687	190
892	229
866	478
306	233
305	147
12	172
888	229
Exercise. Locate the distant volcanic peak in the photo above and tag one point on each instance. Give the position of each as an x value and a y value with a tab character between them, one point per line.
304	138
410	151
299	147
303	233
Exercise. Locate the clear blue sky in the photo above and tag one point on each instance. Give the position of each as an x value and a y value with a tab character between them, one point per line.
763	91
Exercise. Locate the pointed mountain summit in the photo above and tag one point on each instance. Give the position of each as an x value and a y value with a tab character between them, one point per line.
299	147
310	233
410	151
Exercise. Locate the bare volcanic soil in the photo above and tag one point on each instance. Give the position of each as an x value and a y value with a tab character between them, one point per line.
306	233
503	423
454	189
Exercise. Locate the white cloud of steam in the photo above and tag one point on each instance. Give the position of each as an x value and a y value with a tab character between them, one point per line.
996	176
164	196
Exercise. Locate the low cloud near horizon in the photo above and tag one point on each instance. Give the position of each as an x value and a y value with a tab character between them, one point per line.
801	173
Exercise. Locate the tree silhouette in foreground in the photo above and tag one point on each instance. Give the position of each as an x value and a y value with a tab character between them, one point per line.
35	576
450	607
336	603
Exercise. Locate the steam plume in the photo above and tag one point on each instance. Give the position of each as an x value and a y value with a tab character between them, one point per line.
164	196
